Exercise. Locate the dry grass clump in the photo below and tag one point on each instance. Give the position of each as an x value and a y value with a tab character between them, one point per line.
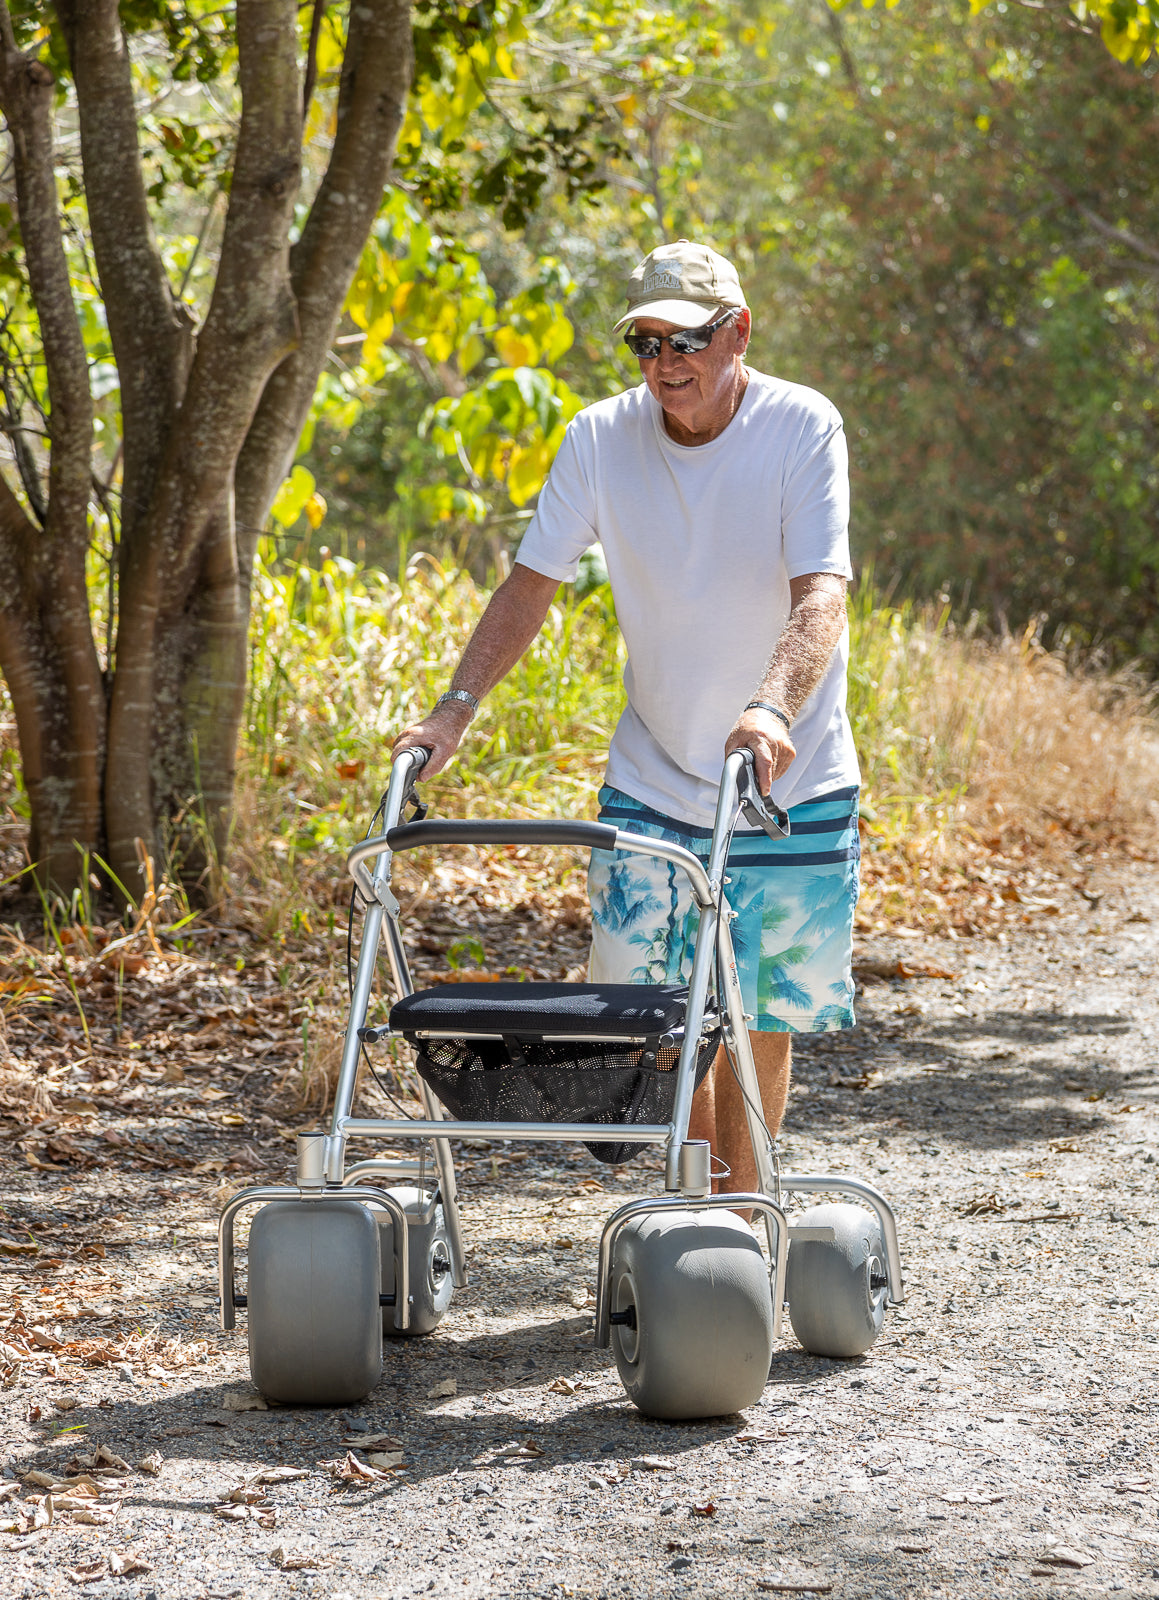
990	768
1061	755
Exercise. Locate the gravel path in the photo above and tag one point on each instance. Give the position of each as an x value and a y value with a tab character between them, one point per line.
999	1438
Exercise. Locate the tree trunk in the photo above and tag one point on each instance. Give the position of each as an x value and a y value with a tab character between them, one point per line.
47	650
209	428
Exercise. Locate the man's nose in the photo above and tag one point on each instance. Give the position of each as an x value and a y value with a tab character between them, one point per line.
668	359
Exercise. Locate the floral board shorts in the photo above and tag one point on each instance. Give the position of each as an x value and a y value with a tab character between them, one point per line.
794	900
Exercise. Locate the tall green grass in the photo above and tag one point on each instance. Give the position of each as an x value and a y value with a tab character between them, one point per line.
343	657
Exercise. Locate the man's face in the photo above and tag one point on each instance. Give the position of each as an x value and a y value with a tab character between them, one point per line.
698	392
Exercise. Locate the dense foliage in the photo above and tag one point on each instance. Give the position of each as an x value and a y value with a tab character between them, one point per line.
946	217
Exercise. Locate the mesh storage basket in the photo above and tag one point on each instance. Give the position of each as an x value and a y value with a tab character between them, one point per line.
522	1076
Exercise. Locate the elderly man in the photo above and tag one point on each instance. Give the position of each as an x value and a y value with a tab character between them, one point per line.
720	499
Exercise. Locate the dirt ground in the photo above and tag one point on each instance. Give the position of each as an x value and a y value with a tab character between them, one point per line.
1000	1438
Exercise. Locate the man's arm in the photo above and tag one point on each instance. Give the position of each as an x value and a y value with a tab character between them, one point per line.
797	665
513	617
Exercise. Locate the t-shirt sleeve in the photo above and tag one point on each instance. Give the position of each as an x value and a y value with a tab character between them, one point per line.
563	526
815	502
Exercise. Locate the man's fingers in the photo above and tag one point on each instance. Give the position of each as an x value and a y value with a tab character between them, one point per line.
773	753
430	735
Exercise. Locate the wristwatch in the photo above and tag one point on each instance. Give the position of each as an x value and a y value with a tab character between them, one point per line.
458	696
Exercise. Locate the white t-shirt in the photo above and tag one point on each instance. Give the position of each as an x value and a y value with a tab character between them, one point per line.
700	543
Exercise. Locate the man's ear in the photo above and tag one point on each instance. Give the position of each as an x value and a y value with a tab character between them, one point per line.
744	330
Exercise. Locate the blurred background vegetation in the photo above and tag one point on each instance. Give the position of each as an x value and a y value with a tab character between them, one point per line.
945	216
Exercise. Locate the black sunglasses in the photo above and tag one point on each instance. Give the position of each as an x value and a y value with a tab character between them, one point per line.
646	346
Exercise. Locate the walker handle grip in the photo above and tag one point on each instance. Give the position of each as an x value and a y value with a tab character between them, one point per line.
437	831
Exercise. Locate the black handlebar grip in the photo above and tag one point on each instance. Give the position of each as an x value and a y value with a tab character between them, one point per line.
450	830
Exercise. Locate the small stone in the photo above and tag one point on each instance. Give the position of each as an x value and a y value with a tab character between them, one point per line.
679	1564
667	1508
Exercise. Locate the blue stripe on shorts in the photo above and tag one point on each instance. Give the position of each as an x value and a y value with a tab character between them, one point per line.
794	900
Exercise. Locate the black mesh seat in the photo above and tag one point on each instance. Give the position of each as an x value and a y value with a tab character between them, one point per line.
616	1010
551	1052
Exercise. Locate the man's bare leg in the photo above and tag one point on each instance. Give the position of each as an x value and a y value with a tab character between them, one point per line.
718	1110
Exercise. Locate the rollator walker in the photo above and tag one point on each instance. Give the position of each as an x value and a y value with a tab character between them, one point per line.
686	1298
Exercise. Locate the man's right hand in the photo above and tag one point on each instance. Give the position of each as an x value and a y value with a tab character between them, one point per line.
441	732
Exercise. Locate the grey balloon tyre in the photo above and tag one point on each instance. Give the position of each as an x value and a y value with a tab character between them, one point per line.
315	1328
700	1336
428	1264
836	1291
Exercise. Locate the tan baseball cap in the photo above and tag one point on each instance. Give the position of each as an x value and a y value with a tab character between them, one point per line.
682	283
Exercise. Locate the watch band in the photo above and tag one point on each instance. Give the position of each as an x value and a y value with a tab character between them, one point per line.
767	705
460	697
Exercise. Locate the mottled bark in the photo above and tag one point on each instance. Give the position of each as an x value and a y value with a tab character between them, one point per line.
250	324
150	333
47	651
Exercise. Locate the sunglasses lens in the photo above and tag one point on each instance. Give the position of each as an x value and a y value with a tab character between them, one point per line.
646	347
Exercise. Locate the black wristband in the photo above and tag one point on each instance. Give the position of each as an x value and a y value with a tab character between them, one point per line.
767	705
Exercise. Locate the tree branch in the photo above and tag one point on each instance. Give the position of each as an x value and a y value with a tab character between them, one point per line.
149	337
252	320
837	29
376	74
26	93
1130	241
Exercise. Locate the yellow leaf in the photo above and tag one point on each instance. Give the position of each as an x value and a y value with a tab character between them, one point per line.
526	472
515	349
292	496
316	510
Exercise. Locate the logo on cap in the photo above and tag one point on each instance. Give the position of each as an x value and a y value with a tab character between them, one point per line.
661	279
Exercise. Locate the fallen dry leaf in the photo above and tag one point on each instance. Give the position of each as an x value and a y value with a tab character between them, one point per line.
386	1460
1064	1555
289	1561
151	1464
101	1460
703	1508
351	1470
88	1571
123	1563
279	1475
98	1516
243	1400
368	1441
971	1497
651	1464
526	1451
246	1494
443	1391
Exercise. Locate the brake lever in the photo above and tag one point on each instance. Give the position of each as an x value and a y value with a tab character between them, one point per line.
411	798
758	809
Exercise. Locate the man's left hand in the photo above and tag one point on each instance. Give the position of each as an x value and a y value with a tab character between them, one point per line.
768	739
